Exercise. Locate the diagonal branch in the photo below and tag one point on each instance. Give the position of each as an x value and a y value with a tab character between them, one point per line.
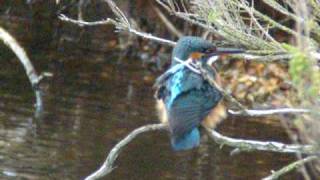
290	167
208	74
118	25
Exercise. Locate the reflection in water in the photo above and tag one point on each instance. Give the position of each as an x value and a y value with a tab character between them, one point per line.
90	104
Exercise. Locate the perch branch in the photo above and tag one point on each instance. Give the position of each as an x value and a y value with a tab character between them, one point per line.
34	79
290	167
244	145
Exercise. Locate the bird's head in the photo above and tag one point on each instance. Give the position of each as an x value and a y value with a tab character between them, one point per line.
197	48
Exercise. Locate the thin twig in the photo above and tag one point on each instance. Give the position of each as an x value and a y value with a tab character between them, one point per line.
252	145
108	166
118	25
63	17
263	30
290	167
188	64
207	73
171	9
264	112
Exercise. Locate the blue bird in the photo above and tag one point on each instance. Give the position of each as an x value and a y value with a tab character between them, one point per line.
185	100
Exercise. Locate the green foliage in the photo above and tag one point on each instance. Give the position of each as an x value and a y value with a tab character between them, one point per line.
304	73
213	16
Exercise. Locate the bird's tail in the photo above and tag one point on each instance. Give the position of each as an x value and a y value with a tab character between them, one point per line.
187	141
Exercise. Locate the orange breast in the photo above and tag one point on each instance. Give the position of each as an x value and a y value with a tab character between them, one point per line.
162	113
196	55
216	115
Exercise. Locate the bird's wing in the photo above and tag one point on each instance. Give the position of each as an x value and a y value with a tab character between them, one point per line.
181	81
162	80
173	82
163	77
189	108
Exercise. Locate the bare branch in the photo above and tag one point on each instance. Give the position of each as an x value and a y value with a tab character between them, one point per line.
119	26
262	29
107	166
25	61
252	145
207	73
290	167
264	112
86	23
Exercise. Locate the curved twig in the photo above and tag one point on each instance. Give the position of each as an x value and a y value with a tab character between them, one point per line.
34	79
107	166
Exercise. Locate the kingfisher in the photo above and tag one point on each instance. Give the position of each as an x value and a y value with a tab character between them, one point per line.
185	99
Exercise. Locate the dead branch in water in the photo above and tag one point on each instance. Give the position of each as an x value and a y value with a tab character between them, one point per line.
34	79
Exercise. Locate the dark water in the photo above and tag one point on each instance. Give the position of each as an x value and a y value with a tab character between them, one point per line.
91	103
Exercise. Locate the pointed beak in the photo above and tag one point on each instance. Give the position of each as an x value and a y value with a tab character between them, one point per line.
229	51
225	51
